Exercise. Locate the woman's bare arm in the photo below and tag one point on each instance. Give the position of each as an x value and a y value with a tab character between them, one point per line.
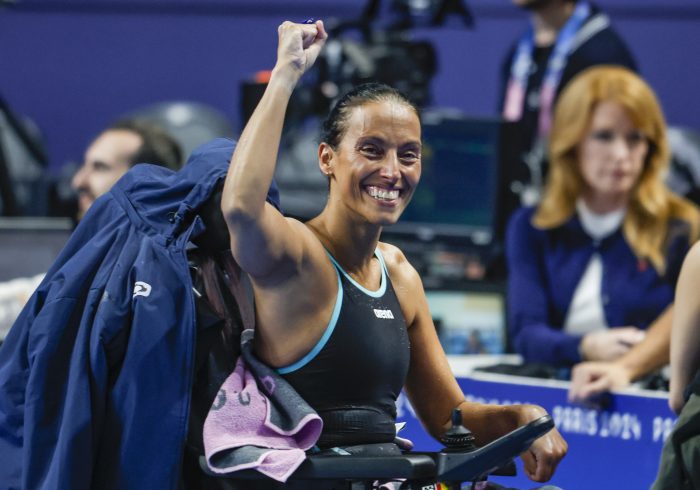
685	335
262	240
434	392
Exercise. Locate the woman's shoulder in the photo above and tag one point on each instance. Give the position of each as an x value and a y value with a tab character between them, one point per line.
521	222
392	255
405	280
397	265
523	214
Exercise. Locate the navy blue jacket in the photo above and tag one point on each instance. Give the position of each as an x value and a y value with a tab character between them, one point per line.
96	373
545	266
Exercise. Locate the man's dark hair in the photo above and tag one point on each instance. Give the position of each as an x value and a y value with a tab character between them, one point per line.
157	146
335	124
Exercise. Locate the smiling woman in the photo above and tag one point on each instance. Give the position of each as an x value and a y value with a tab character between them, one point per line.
342	316
371	146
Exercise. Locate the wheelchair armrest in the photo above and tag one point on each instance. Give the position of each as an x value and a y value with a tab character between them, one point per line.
409	466
442	466
475	465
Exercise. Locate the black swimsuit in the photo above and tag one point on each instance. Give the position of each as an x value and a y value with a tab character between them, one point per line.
354	374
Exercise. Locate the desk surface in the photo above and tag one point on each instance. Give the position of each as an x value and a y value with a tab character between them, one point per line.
618	447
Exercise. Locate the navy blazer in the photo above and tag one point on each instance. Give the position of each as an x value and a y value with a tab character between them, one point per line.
545	266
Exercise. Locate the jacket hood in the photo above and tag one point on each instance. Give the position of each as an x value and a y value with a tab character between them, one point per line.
162	201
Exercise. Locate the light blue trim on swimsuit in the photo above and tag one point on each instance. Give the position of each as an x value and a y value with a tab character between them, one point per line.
382	286
336	312
326	335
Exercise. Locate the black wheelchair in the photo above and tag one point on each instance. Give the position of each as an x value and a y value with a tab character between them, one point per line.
363	468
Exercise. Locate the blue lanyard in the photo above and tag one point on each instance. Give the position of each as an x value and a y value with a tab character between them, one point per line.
517	85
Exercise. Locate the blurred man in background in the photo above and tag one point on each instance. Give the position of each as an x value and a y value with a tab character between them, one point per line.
115	151
109	156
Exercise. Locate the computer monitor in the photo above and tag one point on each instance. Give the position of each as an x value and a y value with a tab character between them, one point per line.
469	321
458	195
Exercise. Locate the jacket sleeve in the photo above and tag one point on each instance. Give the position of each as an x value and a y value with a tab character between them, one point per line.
529	319
50	401
14	372
54	369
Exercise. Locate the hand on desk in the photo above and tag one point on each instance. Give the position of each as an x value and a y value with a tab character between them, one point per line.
591	379
609	344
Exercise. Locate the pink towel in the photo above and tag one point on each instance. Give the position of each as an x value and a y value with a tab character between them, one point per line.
244	430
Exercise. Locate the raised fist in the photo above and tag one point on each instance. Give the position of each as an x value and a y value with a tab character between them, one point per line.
299	46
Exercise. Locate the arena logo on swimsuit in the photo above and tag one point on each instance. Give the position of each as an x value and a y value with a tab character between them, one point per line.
386	314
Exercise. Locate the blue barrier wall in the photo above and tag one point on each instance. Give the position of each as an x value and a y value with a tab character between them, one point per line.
615	448
73	66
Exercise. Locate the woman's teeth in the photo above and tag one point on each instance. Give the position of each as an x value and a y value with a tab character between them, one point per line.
384	194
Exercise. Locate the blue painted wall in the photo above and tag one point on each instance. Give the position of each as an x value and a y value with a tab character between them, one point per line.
73	66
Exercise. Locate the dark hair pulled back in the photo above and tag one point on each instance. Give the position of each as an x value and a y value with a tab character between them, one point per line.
335	124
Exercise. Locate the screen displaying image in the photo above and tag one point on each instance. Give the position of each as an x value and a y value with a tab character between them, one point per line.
469	322
459	175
